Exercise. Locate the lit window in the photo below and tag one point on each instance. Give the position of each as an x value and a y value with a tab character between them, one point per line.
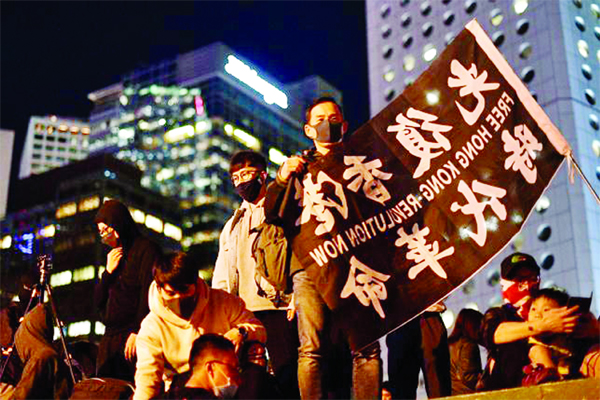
89	203
525	50
165	173
173	231
6	242
583	48
429	52
520	6
61	278
246	138
79	328
389	75
409	62
448	18
432	97
126	133
84	274
542	204
590	96
99	328
66	210
594	121
496	17
586	71
595	149
522	26
277	156
154	223
123	100
48	231
178	134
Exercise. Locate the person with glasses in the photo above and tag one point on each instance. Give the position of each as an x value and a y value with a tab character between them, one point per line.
214	371
235	267
182	309
121	295
506	329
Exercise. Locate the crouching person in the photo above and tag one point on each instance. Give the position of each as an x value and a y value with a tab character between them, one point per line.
183	308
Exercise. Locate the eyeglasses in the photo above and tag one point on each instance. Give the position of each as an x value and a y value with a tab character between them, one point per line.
105	231
242	176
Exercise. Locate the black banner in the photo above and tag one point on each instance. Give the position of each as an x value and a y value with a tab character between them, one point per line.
422	196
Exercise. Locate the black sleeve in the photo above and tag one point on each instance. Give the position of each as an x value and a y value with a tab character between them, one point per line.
492	318
101	292
273	201
146	264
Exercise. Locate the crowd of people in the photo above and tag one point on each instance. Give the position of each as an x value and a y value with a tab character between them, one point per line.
174	336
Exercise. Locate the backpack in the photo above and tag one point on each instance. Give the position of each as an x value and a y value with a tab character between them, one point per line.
272	255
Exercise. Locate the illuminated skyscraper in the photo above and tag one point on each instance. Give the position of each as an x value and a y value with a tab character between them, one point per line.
180	121
554	46
52	142
7	139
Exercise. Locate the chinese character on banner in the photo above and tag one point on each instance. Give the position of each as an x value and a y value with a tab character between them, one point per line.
470	83
368	286
366	175
314	203
413	141
523	150
425	255
473	207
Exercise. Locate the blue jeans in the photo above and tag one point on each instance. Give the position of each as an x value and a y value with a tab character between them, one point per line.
313	317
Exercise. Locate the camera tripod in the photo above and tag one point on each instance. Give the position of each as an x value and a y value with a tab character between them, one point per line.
38	293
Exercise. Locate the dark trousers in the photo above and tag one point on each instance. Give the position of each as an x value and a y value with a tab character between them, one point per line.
420	344
111	362
282	345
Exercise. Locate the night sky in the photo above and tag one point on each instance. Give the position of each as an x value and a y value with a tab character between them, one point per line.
54	53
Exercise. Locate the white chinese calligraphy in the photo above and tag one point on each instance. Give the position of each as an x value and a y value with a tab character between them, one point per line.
314	203
425	255
367	174
368	286
470	83
473	207
523	151
414	142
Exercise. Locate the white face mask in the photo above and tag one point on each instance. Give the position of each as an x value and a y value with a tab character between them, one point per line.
183	306
226	391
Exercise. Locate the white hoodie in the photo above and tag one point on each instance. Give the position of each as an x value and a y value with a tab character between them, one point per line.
165	339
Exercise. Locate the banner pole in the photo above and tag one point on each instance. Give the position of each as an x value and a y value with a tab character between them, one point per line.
587	183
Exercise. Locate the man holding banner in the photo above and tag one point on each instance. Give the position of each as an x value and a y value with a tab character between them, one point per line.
325	125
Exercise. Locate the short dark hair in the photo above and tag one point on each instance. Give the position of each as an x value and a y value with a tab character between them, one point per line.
247	158
316	102
178	270
207	343
560	297
468	325
511	264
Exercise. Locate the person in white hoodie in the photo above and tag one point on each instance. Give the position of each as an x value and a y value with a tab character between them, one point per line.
180	312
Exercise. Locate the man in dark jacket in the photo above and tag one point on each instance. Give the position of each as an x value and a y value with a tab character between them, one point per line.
121	296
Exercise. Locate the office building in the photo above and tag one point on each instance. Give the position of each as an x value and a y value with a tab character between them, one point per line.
554	46
181	120
53	213
51	142
7	139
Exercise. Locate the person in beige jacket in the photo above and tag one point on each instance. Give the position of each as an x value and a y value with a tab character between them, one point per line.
180	312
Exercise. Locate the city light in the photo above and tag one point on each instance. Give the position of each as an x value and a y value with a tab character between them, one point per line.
520	6
154	223
79	328
178	134
203	126
84	274
48	231
6	242
66	210
277	156
173	231
432	97
251	78
247	139
62	278
89	203
137	215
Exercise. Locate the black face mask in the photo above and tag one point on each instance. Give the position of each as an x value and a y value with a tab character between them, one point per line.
250	190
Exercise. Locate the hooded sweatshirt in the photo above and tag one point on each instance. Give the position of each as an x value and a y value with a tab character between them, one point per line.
165	339
121	296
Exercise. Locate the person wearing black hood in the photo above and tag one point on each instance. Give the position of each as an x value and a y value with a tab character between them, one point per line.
121	296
